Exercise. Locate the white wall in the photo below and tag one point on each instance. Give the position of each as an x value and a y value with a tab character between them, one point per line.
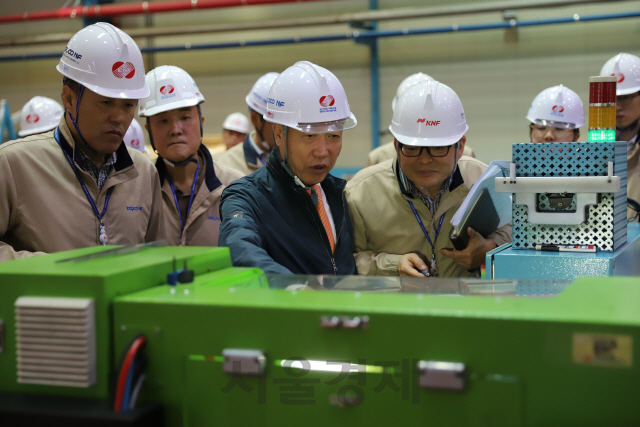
496	80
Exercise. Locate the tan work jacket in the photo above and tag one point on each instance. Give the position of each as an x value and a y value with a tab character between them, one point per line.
43	207
241	157
633	176
202	226
385	227
388	151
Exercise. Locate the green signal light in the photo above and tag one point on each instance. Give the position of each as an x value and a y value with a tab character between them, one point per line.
602	136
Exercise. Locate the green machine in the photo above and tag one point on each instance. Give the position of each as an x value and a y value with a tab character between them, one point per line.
228	346
295	350
56	328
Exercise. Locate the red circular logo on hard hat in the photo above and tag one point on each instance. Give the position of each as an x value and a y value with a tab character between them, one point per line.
327	101
619	76
135	142
557	108
165	90
33	118
123	69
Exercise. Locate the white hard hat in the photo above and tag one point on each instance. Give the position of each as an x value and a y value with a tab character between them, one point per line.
171	88
257	98
309	98
558	107
38	115
429	114
407	83
134	137
626	68
199	94
106	61
237	122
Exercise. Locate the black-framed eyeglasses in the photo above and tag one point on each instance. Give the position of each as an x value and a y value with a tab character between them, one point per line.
415	151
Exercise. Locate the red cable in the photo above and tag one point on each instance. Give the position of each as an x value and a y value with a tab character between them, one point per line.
122	379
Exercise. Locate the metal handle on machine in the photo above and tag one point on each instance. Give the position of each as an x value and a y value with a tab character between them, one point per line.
239	361
437	375
344	322
585	189
559	184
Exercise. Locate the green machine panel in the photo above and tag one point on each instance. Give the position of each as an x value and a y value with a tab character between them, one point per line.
294	350
57	310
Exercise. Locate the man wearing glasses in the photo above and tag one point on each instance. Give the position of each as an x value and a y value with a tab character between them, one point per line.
556	115
626	68
401	208
387	150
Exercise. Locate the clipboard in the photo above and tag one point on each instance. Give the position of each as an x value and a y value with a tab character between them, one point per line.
482	217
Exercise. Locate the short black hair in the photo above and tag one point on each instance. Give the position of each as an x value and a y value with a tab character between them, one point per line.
73	85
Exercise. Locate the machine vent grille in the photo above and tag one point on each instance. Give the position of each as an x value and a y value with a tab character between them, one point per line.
56	341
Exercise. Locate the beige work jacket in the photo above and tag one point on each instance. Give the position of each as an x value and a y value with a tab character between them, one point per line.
241	157
43	207
385	227
202	226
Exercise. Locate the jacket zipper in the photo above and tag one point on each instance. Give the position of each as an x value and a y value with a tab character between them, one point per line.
335	268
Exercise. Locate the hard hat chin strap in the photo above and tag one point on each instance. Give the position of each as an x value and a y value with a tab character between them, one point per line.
153	145
75	121
264	144
259	131
285	165
455	166
620	131
185	162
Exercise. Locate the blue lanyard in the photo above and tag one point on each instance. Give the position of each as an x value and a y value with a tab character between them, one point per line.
434	269
175	198
86	191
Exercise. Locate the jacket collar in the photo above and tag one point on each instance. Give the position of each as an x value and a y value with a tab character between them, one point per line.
210	179
403	181
69	146
250	154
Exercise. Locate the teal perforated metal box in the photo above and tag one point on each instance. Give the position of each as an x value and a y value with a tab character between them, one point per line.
603	219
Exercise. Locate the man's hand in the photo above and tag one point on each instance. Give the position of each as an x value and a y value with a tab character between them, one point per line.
474	254
410	264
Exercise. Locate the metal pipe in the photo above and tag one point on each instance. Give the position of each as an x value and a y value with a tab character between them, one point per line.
114	10
355	35
371	16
